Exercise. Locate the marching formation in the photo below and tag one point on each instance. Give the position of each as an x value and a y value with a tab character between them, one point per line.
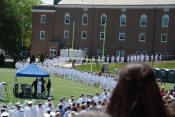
93	79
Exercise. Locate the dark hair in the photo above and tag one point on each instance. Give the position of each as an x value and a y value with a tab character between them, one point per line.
136	94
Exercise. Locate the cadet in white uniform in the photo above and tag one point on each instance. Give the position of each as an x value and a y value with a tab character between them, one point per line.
30	111
39	87
2	85
18	112
40	109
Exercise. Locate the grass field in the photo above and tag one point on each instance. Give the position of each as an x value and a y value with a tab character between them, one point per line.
60	87
167	64
65	88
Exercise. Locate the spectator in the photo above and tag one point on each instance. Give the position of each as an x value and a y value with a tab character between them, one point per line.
132	97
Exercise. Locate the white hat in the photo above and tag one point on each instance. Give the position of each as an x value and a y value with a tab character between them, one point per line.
52	114
5	114
29	102
46	115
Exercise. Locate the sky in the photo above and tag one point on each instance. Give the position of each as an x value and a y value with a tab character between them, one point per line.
47	1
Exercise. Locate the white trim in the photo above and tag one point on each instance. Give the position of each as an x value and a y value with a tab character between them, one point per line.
124	36
82	34
144	37
100	35
166	39
146	6
65	32
103	15
165	16
44	35
84	14
123	15
143	16
41	19
66	15
39	10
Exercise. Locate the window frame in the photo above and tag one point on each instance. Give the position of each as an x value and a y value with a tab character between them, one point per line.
162	37
85	14
120	36
82	34
121	17
140	37
103	35
101	20
65	37
163	18
41	35
41	21
65	18
141	20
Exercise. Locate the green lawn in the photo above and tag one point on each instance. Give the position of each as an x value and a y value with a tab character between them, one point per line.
167	64
60	87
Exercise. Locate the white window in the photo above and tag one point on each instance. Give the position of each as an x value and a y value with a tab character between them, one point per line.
43	19
142	37
42	35
103	19
120	53
164	37
101	35
67	18
123	10
121	36
84	35
165	21
166	10
85	19
143	21
66	34
123	20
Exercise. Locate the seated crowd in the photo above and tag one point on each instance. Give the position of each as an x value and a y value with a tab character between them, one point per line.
136	95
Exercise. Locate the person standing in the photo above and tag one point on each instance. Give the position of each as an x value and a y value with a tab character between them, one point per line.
39	88
48	87
2	85
18	112
34	84
30	110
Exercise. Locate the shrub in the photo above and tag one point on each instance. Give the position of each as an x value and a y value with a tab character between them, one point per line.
2	60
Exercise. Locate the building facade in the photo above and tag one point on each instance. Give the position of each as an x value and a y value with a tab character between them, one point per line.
130	29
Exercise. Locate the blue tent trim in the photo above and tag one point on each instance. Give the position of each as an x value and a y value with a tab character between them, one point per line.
31	70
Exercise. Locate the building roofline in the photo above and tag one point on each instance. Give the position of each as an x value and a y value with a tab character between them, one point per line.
114	6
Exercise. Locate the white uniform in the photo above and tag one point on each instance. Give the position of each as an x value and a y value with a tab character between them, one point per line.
39	87
30	112
1	86
40	111
18	113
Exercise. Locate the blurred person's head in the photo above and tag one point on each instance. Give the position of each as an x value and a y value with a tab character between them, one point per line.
136	94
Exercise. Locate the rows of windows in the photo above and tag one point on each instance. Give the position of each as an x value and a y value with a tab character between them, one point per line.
122	36
143	20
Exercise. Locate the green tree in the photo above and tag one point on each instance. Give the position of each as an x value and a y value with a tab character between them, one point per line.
11	22
2	60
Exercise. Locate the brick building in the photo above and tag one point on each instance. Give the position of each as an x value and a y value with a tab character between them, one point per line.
132	27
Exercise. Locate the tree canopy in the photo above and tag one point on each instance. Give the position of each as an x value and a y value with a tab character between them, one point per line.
11	23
